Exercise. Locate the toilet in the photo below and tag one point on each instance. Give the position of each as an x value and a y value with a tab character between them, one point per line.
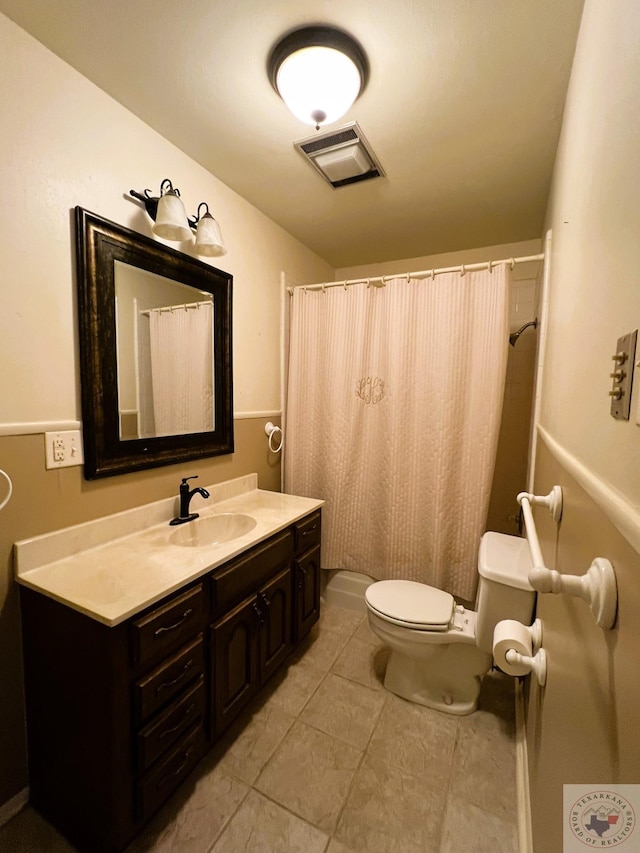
439	649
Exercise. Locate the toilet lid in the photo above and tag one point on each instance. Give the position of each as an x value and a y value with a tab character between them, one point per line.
415	605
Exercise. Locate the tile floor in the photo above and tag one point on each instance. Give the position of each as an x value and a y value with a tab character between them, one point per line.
327	761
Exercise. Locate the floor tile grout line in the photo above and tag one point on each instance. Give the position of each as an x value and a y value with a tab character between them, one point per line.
358	768
231	816
449	780
290	811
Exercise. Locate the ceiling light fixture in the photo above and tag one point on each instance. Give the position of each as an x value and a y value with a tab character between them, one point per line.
170	220
318	72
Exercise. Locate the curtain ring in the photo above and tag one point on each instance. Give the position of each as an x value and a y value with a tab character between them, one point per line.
433	274
462	270
513	263
490	266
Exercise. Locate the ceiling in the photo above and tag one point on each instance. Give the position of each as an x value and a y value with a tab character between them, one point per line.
463	108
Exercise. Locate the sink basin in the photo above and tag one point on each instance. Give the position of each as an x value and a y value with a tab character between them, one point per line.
212	530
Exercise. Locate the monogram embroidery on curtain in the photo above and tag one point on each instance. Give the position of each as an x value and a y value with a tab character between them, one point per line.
370	389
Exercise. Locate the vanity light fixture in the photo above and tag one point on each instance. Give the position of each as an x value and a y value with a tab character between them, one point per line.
171	217
318	72
209	240
170	220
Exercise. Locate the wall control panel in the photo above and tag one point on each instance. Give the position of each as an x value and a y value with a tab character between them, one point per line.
622	375
63	449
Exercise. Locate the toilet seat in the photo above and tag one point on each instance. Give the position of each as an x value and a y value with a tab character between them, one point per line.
411	604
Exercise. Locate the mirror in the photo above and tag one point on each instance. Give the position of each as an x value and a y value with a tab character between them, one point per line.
155	351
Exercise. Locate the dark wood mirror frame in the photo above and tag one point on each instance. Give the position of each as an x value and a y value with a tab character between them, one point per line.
99	243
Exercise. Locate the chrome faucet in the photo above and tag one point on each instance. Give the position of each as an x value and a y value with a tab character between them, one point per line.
185	500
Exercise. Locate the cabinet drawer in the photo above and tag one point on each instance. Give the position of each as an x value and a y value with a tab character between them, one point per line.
169	772
168	626
165	681
159	735
307	532
242	577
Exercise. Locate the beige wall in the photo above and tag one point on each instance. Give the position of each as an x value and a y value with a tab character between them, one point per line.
510	474
66	143
583	726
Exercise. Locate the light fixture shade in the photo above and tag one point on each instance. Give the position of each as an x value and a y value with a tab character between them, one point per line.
209	240
318	84
318	72
171	219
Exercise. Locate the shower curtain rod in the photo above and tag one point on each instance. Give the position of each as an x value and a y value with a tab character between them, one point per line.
173	308
381	280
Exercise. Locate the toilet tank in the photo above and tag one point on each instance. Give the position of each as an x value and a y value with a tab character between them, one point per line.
504	591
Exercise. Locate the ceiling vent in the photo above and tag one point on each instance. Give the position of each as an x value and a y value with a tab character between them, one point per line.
342	156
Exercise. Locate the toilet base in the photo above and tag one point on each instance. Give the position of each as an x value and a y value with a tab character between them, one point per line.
434	686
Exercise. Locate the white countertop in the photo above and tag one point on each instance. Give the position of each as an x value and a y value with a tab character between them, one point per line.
114	567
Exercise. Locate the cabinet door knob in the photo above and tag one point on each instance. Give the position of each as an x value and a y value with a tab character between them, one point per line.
259	619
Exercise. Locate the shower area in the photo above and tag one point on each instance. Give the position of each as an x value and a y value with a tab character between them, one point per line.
406	406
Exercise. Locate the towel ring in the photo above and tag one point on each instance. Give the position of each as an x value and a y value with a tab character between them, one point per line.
270	429
10	492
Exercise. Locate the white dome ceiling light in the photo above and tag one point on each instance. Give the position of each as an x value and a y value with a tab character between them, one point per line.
318	72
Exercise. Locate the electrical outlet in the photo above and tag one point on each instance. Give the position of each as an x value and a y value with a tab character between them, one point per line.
63	449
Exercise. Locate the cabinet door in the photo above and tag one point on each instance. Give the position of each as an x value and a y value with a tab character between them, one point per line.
306	592
235	662
274	602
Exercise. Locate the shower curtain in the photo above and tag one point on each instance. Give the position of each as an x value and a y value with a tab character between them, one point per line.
182	369
393	413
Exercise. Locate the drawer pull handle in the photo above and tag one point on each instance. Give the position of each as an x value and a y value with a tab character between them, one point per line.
310	530
302	574
177	772
179	725
175	625
166	684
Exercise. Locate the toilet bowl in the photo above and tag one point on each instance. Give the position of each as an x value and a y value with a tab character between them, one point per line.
439	649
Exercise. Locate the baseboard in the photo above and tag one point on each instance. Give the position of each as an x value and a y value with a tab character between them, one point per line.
525	834
13	806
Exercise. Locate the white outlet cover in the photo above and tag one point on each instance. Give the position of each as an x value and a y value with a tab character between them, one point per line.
63	449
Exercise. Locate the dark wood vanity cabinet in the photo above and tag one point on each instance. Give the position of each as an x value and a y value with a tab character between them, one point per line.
248	645
118	716
306	575
250	641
